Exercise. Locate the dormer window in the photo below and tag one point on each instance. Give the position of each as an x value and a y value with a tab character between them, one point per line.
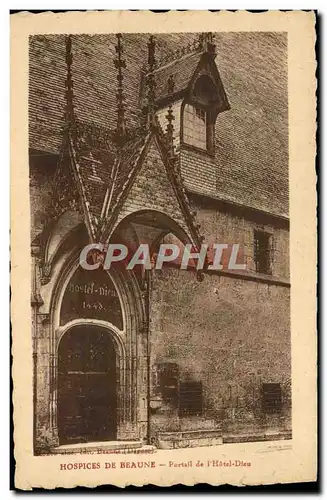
199	115
195	126
189	92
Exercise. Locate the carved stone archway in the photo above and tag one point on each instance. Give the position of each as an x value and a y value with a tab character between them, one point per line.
130	344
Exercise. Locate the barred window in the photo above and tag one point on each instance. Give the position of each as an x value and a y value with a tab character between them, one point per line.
263	252
190	398
195	126
272	398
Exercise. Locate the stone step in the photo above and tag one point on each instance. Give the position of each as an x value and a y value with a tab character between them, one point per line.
189	439
196	423
258	436
102	446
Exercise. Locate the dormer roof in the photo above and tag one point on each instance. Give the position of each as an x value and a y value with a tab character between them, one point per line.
184	70
181	70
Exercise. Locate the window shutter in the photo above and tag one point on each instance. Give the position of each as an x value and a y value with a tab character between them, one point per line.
190	398
263	252
256	252
272	397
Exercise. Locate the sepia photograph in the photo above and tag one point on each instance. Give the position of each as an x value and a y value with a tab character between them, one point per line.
136	139
159	227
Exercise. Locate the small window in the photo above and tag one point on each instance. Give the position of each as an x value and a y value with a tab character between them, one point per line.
262	252
195	126
190	398
272	398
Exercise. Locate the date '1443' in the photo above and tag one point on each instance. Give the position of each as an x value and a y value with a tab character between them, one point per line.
97	306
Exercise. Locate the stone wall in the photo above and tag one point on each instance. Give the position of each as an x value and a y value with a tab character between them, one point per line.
220	227
233	336
42	381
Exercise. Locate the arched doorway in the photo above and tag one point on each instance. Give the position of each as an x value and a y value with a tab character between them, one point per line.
87	385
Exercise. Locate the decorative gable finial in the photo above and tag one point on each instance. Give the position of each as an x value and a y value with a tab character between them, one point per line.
170	84
70	117
170	118
120	64
151	53
206	42
151	84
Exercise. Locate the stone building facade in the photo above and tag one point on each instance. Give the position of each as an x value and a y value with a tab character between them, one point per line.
136	139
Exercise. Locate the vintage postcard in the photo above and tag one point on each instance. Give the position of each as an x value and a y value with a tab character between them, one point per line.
163	248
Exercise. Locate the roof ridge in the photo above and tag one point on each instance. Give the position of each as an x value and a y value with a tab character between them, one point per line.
191	48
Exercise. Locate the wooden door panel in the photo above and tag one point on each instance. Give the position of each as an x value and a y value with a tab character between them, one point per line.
86	386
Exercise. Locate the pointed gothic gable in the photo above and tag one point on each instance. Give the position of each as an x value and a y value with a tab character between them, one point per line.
77	166
127	159
155	186
208	68
93	158
66	195
92	175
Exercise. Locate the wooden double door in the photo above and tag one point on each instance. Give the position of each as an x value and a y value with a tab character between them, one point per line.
87	386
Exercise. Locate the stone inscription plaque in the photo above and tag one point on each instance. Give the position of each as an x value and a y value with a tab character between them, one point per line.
91	295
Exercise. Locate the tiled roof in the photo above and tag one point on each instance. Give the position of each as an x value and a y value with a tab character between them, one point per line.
47	67
252	138
128	157
251	161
